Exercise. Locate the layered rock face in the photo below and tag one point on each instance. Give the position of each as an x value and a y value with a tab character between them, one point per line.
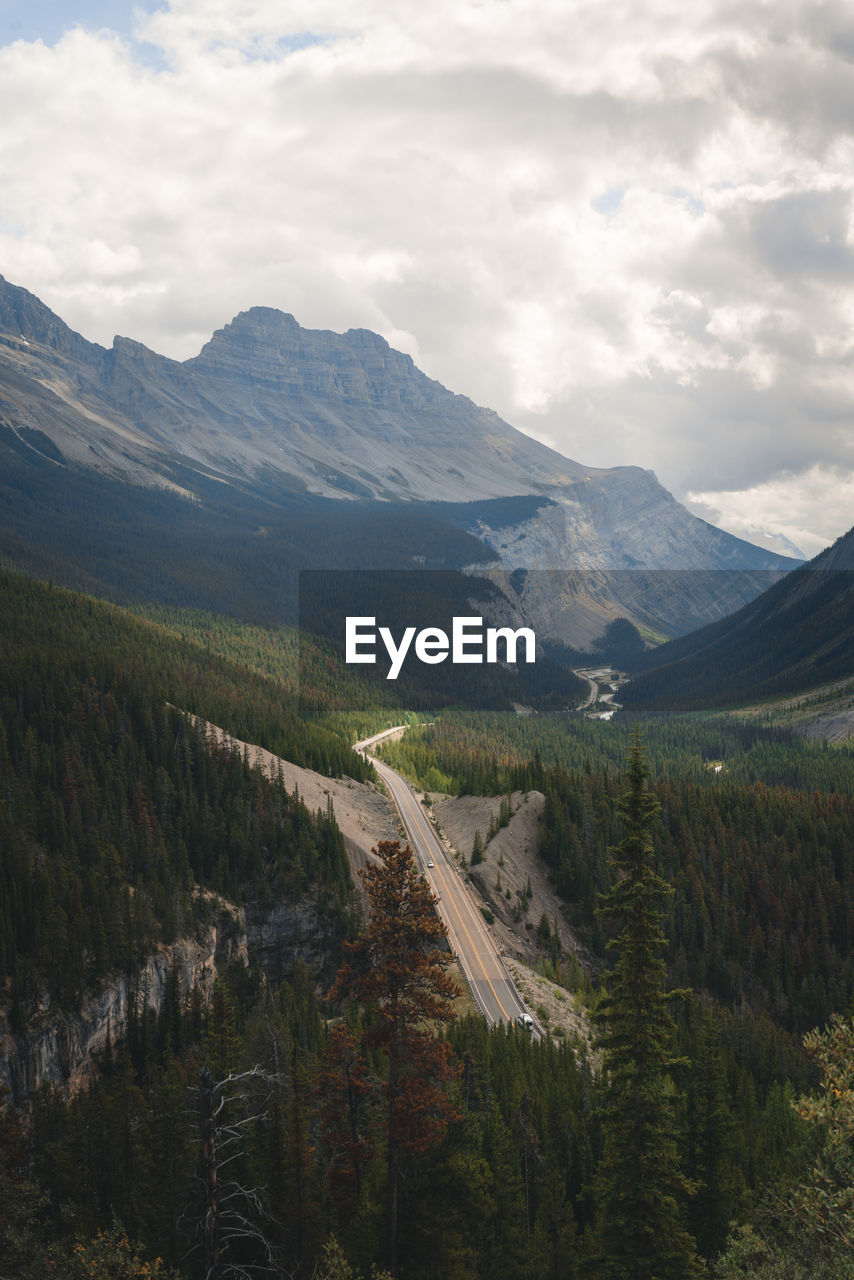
342	415
282	411
62	1048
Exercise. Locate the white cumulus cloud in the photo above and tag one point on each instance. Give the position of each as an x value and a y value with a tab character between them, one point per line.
625	226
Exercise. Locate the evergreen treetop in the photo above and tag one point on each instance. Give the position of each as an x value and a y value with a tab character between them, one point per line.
641	1187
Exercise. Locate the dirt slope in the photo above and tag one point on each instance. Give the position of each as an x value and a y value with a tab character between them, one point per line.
363	812
510	864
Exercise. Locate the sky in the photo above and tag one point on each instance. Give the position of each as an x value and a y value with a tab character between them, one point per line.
626	226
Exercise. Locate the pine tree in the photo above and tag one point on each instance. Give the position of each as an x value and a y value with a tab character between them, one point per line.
344	1092
21	1203
398	971
821	1211
712	1166
640	1185
807	1224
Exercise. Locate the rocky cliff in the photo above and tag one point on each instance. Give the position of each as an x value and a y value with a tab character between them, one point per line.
62	1048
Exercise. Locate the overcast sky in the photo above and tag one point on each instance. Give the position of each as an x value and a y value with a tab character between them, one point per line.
626	226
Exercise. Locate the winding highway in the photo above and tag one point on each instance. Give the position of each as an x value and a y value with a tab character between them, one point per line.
469	937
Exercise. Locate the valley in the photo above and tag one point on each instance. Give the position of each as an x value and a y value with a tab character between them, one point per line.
525	810
605	683
188	885
426	641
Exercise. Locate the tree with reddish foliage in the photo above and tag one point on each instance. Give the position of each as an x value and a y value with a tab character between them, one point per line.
398	970
344	1090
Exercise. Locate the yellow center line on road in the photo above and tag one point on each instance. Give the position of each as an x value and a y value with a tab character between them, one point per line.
410	805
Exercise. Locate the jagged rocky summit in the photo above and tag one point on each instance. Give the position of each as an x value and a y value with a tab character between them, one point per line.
269	404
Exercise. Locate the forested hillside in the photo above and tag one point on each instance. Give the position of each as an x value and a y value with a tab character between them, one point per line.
234	549
750	831
793	637
505	1192
116	812
484	752
754	833
504	1187
120	825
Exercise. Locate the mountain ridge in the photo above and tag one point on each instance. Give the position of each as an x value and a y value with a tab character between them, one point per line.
276	410
796	635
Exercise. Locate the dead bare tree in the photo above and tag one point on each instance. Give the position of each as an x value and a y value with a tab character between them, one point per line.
229	1229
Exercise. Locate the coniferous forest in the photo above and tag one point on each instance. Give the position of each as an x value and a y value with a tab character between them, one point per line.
345	1113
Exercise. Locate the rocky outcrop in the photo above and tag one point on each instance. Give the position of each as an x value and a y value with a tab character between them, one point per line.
635	553
621	519
62	1048
286	932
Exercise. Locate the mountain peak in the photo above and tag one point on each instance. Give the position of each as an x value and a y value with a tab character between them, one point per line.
23	315
368	338
267	327
346	416
267	350
262	317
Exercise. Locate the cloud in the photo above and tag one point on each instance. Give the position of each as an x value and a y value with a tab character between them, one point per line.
807	509
627	227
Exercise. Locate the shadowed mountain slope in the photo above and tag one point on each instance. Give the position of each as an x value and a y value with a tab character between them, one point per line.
798	634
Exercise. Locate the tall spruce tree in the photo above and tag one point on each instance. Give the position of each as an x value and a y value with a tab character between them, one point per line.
640	1185
398	969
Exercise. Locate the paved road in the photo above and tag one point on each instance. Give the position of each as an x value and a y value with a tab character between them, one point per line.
594	689
597	678
468	934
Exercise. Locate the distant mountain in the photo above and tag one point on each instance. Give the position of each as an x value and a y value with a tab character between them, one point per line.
279	418
798	634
